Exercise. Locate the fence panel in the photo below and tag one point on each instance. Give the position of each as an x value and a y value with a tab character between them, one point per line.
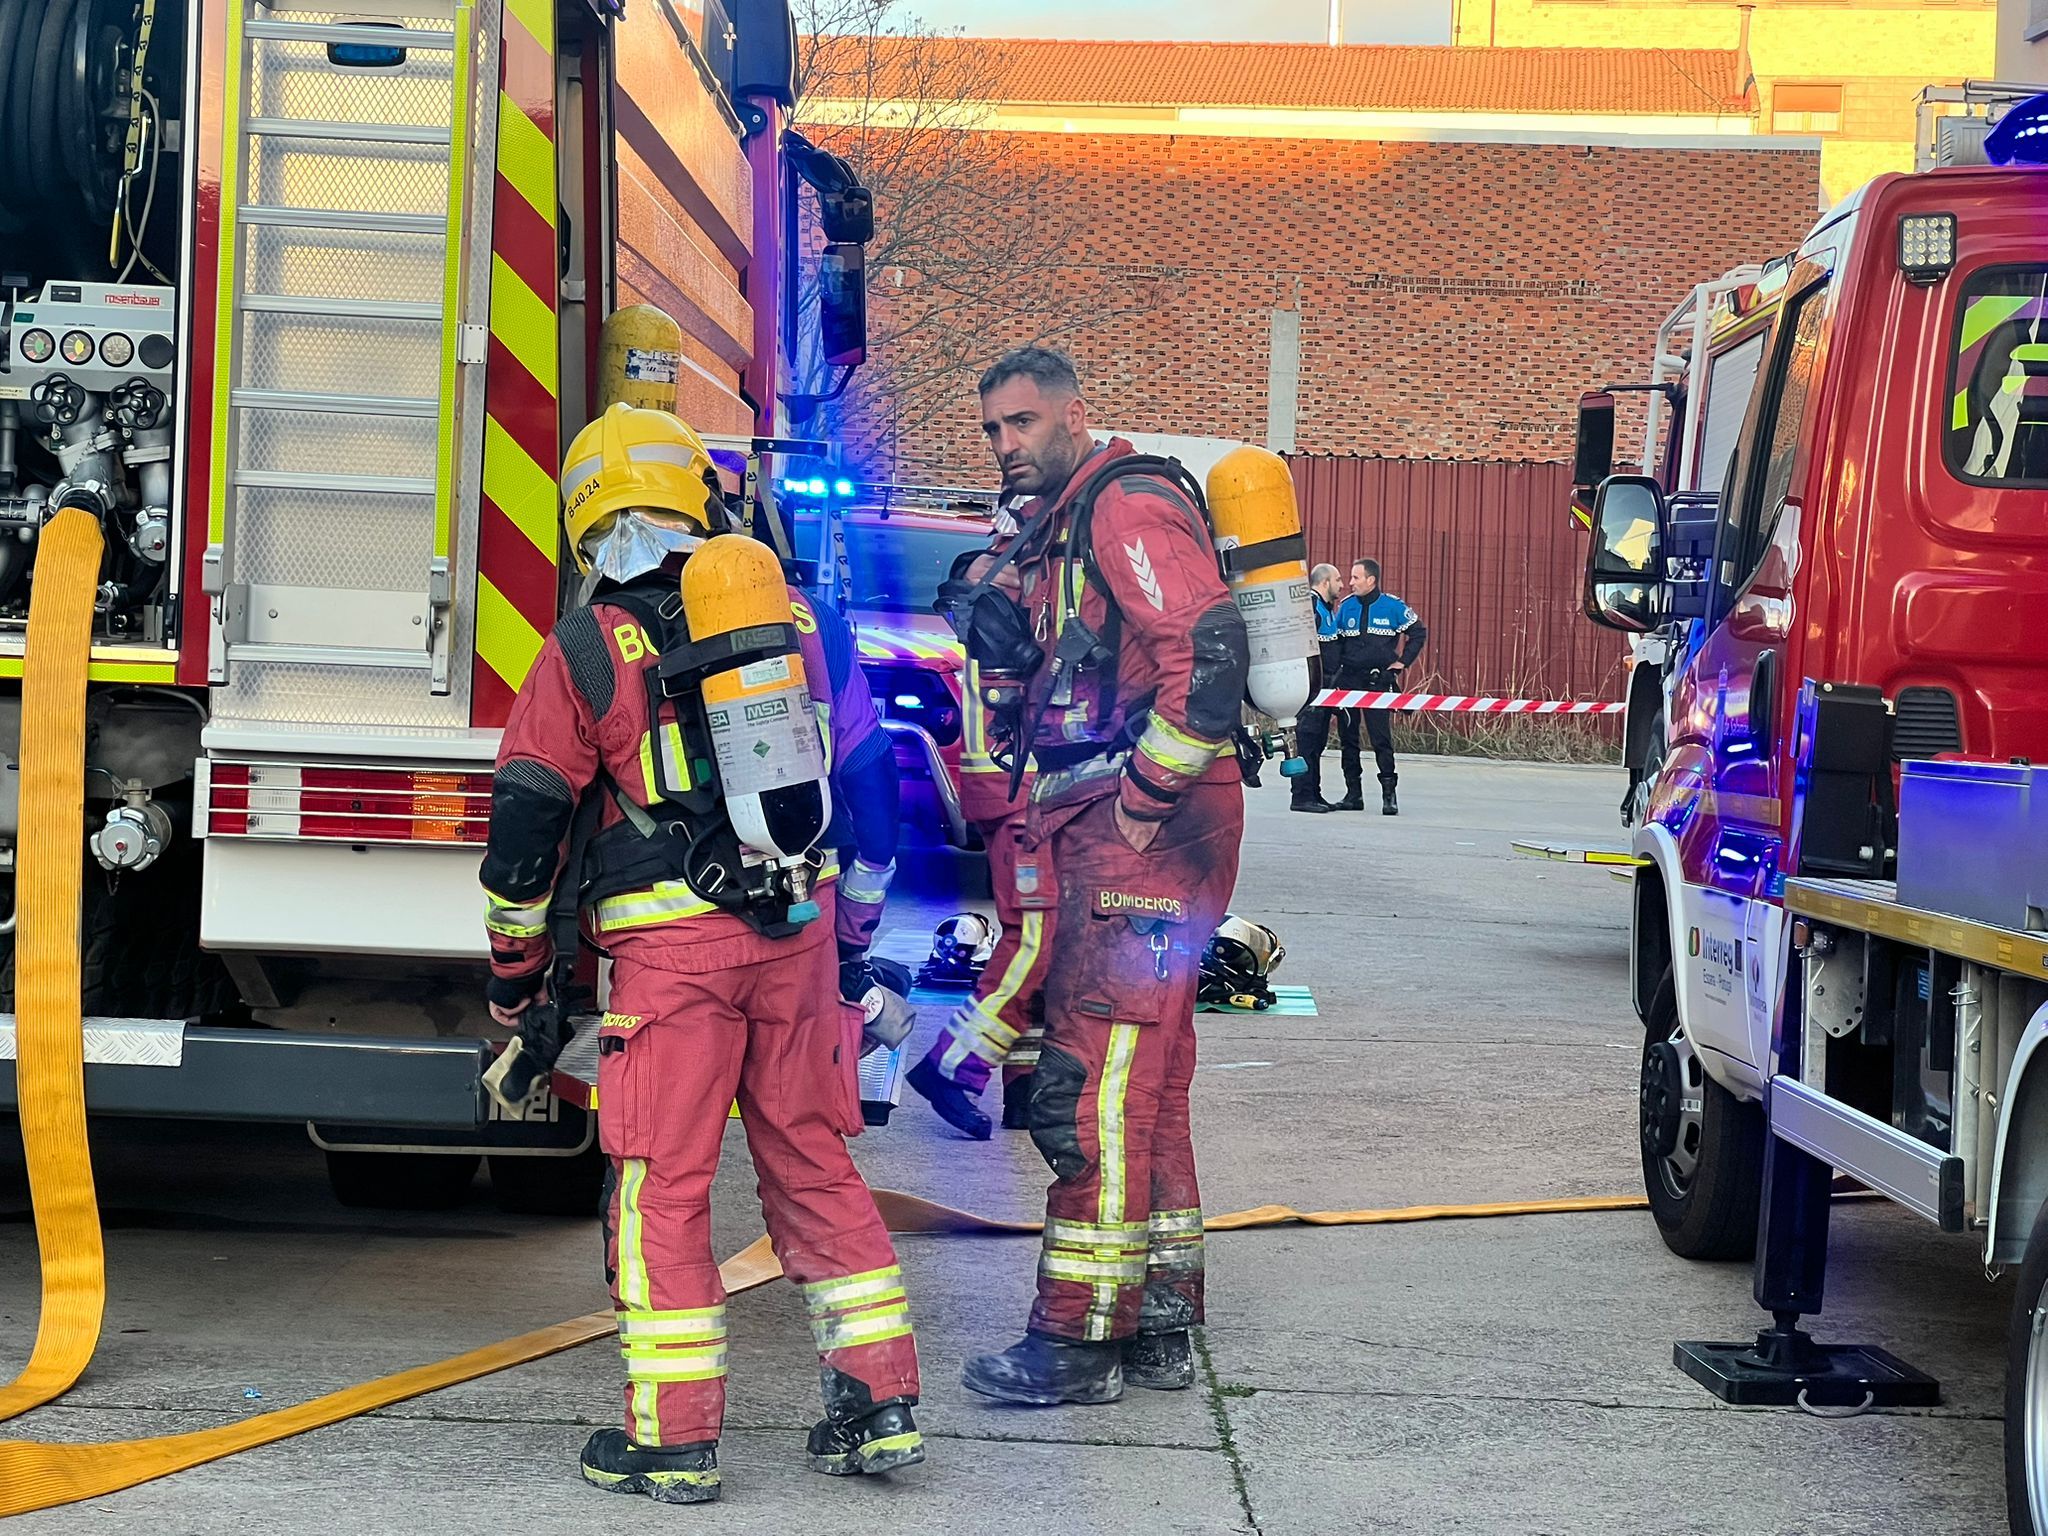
1486	553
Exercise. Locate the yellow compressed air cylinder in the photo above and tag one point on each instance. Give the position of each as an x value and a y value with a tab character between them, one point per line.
1251	502
764	731
639	357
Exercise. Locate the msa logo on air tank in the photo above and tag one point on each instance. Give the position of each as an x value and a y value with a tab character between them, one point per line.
767	709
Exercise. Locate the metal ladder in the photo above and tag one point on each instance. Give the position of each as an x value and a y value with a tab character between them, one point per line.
339	338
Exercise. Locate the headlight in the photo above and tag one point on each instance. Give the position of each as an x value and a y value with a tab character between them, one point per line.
116	350
38	346
77	347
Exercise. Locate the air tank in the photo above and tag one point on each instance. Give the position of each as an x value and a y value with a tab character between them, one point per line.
764	731
1258	533
639	359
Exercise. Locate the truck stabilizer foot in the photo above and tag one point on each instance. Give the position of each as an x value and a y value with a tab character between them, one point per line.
1785	1365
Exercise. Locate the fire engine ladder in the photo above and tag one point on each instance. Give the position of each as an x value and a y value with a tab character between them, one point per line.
339	338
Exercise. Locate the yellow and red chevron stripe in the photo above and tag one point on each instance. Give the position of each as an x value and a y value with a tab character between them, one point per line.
519	537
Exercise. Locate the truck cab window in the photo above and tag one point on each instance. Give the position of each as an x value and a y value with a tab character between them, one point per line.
1997	430
1753	516
1731	379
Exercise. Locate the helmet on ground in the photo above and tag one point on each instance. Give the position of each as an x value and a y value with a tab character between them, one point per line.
637	486
1236	963
961	946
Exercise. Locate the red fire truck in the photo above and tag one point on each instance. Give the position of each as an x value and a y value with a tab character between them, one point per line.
314	302
1865	678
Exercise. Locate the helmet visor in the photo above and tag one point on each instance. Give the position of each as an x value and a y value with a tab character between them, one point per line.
638	540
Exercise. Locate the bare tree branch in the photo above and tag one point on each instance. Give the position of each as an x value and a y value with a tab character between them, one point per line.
973	241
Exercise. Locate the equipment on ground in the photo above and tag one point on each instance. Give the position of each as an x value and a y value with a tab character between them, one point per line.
1237	964
961	946
1265	562
881	989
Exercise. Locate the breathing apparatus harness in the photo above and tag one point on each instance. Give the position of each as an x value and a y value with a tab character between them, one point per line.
999	638
686	835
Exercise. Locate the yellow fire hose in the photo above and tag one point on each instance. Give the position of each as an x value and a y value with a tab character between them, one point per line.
51	1088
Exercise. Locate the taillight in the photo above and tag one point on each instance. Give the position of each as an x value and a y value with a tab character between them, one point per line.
348	804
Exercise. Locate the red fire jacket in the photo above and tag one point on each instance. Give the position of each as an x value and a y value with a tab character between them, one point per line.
1162	611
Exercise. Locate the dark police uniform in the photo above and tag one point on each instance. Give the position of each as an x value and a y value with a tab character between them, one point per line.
1374	634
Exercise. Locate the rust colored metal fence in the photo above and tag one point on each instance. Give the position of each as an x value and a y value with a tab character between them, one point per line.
1486	553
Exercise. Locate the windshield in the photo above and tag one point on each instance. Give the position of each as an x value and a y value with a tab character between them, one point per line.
897	568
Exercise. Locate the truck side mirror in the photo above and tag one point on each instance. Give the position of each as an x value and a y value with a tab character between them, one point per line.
843	305
1593	450
1625	555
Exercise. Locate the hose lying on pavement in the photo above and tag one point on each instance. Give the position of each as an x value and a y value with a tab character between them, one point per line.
51	1089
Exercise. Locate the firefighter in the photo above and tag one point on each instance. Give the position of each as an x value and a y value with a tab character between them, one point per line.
1137	803
1324	585
1002	1022
1387	638
717	995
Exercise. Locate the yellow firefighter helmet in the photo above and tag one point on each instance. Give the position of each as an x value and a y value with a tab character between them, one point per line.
634	460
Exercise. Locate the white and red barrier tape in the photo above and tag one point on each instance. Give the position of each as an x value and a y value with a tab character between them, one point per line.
1457	703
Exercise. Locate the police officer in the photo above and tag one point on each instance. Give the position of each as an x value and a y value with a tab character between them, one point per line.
1383	638
721	989
1326	592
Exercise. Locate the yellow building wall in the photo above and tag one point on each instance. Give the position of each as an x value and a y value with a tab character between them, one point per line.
1880	51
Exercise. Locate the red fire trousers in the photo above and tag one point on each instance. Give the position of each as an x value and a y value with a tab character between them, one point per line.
692	1027
1002	1024
1122	1250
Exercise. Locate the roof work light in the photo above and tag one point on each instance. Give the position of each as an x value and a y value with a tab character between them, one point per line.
1927	246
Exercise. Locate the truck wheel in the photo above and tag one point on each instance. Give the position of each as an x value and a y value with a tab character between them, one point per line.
401	1181
2026	1391
1703	1148
1635	810
550	1186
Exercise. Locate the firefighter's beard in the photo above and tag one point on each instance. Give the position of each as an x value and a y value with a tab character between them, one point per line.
1043	473
634	543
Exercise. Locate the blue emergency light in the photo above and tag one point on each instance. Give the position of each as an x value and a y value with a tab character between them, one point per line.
2021	137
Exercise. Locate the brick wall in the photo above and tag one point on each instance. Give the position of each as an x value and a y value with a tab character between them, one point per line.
1455	299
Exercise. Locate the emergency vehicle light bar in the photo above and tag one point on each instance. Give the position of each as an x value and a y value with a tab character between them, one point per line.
345	804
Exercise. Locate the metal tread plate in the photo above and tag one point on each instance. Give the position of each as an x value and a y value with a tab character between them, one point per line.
118	1042
1872	906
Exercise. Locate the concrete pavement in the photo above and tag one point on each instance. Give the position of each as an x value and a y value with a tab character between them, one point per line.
1475	1044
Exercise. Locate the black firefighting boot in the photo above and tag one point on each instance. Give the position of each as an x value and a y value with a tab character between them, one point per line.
1389	806
668	1474
1163	1362
954	1104
880	1441
1040	1372
1354	798
1017	1103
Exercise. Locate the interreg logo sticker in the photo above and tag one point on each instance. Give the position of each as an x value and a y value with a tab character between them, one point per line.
1720	961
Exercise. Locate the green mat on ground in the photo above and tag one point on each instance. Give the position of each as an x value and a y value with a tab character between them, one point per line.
1292	1002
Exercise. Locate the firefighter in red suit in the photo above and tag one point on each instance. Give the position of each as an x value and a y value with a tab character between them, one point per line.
1138	808
709	1003
1002	1022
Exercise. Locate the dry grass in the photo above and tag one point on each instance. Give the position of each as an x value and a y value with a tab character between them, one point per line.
1519	738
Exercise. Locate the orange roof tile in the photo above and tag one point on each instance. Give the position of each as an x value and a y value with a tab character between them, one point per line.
1302	76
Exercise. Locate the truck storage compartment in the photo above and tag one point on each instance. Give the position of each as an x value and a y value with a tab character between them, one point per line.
94	307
